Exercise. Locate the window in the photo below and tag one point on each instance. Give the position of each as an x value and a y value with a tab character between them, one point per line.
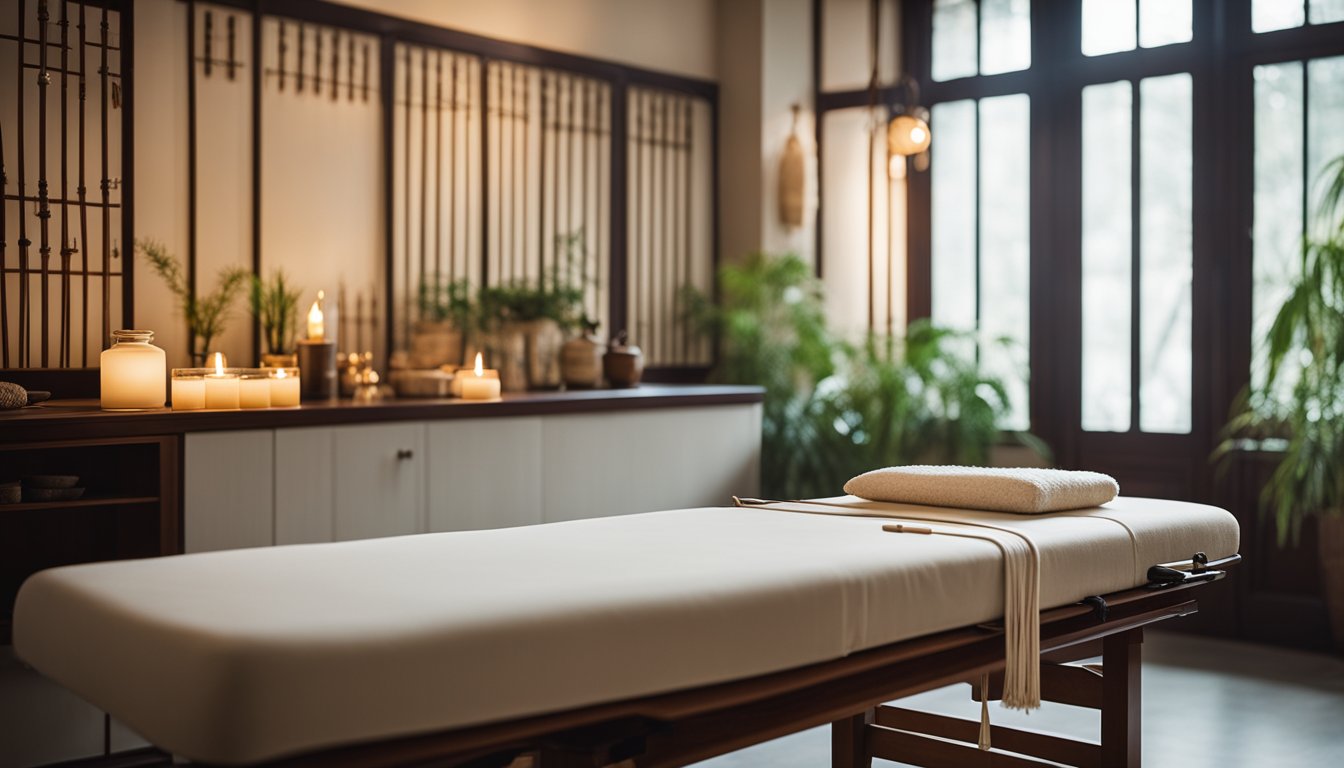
1298	108
1112	26
989	37
980	183
981	249
1271	15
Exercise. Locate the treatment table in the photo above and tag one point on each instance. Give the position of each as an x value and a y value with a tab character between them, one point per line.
648	640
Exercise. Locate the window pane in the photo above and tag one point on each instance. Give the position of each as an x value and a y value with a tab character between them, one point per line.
1327	11
1267	15
1005	34
1325	140
954	39
1277	231
1005	266
1163	22
953	198
1106	257
1108	26
1165	212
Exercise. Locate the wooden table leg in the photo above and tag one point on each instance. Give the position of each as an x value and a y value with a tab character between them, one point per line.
1121	700
849	746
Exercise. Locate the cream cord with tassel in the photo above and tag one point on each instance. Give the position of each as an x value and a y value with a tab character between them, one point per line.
1021	596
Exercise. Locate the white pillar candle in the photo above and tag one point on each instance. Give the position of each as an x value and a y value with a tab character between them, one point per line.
476	385
188	393
133	373
221	391
284	389
254	392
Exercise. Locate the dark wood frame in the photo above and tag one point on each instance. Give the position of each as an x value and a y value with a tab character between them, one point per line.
679	728
392	30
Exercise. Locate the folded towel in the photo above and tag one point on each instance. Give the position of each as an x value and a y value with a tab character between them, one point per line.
1023	490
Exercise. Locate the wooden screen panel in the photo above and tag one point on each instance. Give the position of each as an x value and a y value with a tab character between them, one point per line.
438	162
62	234
670	207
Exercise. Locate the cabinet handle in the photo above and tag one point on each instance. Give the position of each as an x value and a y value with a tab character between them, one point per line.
405	453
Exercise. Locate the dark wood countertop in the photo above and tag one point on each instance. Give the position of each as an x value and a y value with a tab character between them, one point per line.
80	419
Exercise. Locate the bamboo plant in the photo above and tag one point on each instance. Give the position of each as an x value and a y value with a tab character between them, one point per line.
275	304
204	315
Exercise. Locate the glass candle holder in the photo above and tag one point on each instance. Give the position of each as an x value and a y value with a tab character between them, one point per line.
189	388
285	387
133	373
254	390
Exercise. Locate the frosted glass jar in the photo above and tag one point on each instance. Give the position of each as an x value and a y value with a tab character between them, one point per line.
134	373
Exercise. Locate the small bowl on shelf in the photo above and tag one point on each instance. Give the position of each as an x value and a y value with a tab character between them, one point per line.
50	481
11	492
52	494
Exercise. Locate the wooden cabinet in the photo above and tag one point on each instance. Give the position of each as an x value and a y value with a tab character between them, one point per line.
484	473
228	489
379	480
622	463
305	485
337	483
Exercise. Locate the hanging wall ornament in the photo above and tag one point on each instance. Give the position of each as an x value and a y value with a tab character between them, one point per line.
792	178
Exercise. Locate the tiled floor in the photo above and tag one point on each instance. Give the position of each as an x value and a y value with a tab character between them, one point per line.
1205	702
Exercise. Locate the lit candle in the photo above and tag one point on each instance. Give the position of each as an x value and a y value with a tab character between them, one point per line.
284	389
221	389
316	332
188	393
478	386
254	392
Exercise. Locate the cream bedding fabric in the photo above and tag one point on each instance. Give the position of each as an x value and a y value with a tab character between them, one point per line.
1024	490
240	656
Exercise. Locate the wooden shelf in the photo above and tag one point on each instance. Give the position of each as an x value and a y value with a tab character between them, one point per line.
87	501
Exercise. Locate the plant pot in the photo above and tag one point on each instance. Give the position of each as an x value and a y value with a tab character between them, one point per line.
435	343
624	366
505	350
581	362
280	361
1330	543
543	340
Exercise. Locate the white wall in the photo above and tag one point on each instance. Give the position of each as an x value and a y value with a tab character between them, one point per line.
674	36
765	49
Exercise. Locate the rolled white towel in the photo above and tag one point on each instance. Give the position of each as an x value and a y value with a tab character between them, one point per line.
1022	490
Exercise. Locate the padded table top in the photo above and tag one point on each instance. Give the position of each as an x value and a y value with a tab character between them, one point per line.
246	655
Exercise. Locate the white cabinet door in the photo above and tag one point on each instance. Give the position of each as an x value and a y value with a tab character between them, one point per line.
227	501
379	480
484	473
601	464
305	485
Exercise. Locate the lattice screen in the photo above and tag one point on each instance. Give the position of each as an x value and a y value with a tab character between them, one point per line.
61	232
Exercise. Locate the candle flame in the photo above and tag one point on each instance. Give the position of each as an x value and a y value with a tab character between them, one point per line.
480	369
219	363
280	373
315	330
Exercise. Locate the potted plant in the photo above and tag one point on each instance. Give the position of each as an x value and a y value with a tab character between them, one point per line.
275	304
1300	403
204	316
528	319
834	409
446	313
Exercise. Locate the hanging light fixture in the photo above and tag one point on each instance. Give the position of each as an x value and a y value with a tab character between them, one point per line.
908	131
